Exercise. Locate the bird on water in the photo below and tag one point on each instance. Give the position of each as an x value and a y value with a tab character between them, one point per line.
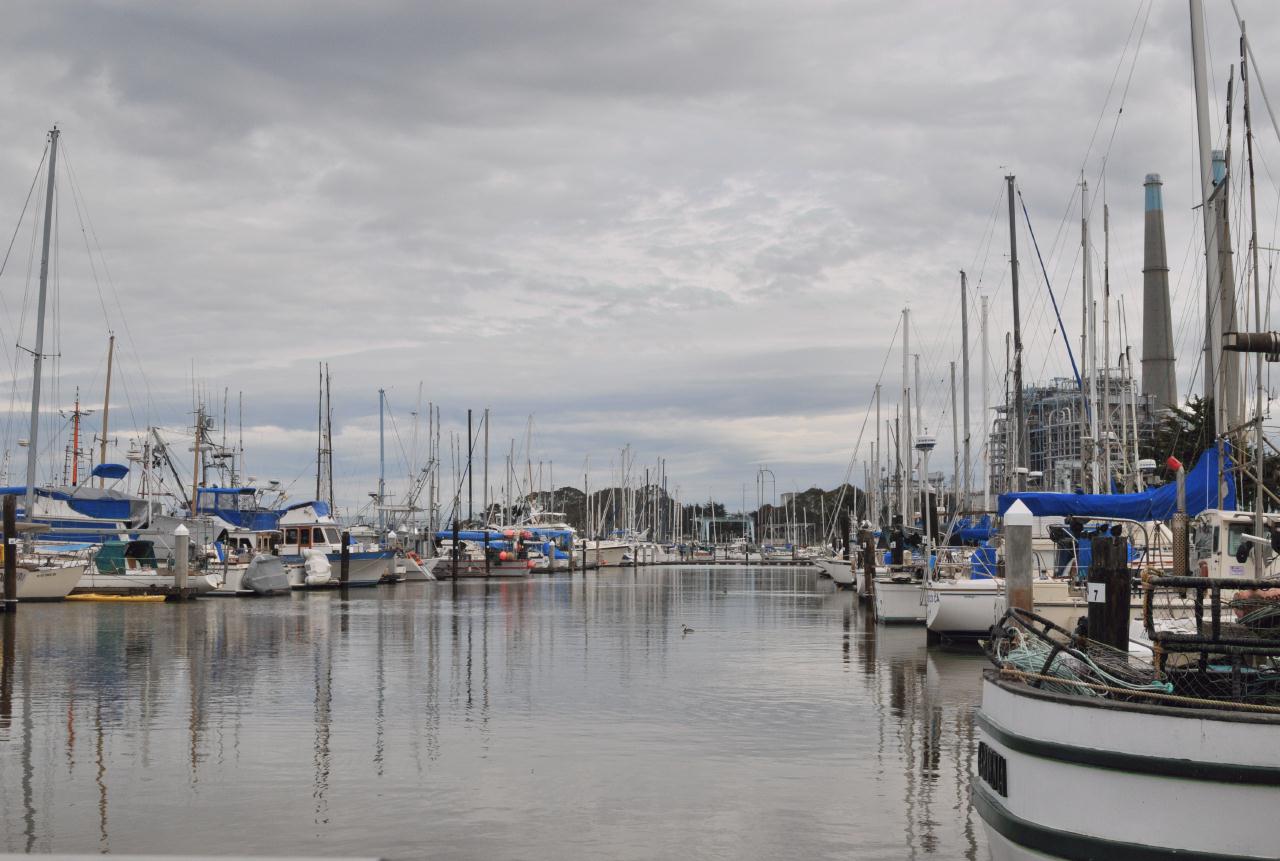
685	629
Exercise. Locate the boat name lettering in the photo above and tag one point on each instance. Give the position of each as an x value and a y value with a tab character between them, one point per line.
993	770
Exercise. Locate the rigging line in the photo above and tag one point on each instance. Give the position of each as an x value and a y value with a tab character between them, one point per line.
17	228
1124	95
1262	88
124	319
1056	310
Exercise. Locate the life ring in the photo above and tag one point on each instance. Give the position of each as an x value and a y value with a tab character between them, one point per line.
413	554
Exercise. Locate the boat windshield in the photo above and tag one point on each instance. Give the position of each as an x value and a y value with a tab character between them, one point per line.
1236	536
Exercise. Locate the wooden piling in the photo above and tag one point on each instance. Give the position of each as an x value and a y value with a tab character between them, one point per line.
344	563
10	554
1108	590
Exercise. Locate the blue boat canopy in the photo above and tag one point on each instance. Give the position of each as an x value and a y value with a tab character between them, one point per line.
1159	503
110	471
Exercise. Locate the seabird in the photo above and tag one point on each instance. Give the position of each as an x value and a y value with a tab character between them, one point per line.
686	629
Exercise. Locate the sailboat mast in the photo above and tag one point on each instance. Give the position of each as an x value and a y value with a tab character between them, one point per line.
106	406
1259	524
33	438
1088	474
382	462
904	453
1020	427
966	483
1106	344
986	409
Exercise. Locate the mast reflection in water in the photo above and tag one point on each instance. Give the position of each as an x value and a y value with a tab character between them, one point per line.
550	718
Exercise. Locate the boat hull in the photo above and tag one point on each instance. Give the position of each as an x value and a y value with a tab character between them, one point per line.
1142	781
839	570
963	609
51	583
141	582
899	602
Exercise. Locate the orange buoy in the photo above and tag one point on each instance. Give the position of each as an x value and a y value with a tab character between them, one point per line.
502	557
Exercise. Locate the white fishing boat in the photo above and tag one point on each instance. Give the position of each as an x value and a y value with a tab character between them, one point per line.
839	570
310	526
603	553
1173	759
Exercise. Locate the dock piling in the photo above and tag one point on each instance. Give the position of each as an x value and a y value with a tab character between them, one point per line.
1017	533
344	560
1108	590
181	560
10	554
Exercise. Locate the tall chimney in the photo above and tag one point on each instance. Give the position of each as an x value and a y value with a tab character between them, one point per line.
1158	377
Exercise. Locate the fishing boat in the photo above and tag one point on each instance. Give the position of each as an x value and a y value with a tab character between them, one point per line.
310	526
1171	758
485	553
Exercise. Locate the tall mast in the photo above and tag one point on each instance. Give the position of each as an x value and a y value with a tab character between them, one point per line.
904	453
966	483
1106	344
319	427
1259	524
195	466
33	438
106	405
1088	463
382	462
1209	216
485	492
986	411
877	458
1020	425
955	445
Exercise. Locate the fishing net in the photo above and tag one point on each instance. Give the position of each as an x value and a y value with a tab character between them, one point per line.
1049	657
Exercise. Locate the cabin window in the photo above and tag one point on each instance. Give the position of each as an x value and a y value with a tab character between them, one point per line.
317	537
1236	536
334	537
291	536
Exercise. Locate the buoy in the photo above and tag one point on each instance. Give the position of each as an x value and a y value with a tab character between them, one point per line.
531	563
502	556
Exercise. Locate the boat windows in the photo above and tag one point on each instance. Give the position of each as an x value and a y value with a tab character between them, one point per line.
334	537
317	537
1235	536
291	536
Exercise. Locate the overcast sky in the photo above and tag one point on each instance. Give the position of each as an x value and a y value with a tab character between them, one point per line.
686	226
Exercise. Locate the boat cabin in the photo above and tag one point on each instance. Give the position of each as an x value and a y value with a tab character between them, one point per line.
122	557
1217	543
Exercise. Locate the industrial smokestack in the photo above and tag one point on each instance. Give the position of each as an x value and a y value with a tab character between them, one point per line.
1158	377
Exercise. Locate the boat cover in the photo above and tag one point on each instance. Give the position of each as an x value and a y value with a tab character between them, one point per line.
265	575
1159	503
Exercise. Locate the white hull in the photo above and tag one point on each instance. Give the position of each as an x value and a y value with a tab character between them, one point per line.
607	554
230	581
1070	776
49	583
963	608
420	572
839	570
899	602
140	581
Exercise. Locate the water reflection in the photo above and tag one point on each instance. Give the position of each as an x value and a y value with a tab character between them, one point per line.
557	717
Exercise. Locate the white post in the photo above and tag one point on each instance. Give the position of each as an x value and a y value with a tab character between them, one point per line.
1017	556
181	541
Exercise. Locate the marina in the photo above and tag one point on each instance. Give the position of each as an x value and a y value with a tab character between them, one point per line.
547	435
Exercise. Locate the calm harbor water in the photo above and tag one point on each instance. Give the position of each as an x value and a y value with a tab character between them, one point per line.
560	717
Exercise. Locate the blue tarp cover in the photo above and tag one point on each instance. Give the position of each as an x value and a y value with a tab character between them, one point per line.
1159	503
